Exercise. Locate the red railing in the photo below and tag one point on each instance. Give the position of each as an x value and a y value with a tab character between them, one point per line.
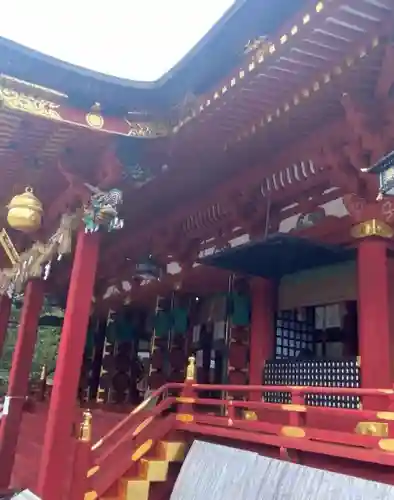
369	436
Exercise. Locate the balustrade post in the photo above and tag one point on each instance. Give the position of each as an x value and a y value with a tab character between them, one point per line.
297	408
230	412
81	471
187	396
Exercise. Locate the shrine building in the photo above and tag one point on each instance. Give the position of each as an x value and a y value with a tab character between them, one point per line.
221	242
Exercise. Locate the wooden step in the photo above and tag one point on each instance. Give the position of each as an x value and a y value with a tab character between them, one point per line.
151	470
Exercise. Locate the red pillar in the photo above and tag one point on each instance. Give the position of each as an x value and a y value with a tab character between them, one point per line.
62	412
19	378
262	330
373	314
5	309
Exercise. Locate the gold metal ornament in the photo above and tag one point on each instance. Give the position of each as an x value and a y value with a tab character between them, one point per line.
191	369
85	430
25	212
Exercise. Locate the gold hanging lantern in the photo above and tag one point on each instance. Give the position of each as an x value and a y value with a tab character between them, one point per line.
25	212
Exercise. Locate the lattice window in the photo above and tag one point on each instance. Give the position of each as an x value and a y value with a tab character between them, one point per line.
294	332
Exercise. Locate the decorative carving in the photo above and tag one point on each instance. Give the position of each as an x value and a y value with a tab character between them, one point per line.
36	262
371	136
259	47
372	227
9	247
44	108
355	205
360	210
306	220
22	102
102	211
145	130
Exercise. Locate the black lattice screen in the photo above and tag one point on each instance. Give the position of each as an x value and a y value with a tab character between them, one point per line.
313	373
294	332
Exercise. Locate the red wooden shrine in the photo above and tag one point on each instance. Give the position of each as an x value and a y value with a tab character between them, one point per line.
247	295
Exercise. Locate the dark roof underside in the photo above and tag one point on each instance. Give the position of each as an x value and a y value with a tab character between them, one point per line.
206	64
278	256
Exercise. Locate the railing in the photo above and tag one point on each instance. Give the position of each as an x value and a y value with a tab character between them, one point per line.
369	436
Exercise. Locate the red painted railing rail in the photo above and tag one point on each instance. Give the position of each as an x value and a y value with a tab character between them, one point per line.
160	413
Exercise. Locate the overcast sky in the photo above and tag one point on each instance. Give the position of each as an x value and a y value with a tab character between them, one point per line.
135	39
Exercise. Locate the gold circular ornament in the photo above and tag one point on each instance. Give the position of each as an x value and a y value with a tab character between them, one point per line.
95	120
25	212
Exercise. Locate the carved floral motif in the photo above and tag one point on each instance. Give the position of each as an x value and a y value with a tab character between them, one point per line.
22	102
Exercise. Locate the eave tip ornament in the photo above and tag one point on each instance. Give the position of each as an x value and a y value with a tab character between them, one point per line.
102	210
25	212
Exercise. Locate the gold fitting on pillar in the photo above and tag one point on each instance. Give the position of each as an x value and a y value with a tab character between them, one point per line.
191	369
85	430
372	227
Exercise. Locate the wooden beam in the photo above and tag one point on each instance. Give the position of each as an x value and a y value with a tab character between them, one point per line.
246	180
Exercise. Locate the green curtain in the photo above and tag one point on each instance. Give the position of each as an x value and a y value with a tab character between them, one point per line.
240	309
162	323
180	320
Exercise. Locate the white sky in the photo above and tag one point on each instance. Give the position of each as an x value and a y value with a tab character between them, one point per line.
135	39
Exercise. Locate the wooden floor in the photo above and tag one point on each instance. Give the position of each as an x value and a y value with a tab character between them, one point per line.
32	437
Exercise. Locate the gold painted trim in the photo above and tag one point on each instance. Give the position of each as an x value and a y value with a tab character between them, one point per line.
296	408
184	417
140	452
97	444
142	405
376	429
258	51
285	107
142	426
372	227
91	495
294	432
44	108
95	120
92	471
181	399
250	415
386	444
385	415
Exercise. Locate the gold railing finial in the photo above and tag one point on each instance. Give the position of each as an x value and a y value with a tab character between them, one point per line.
85	430
191	369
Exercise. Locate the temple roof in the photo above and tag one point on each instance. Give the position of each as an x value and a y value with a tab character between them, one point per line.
252	121
214	56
